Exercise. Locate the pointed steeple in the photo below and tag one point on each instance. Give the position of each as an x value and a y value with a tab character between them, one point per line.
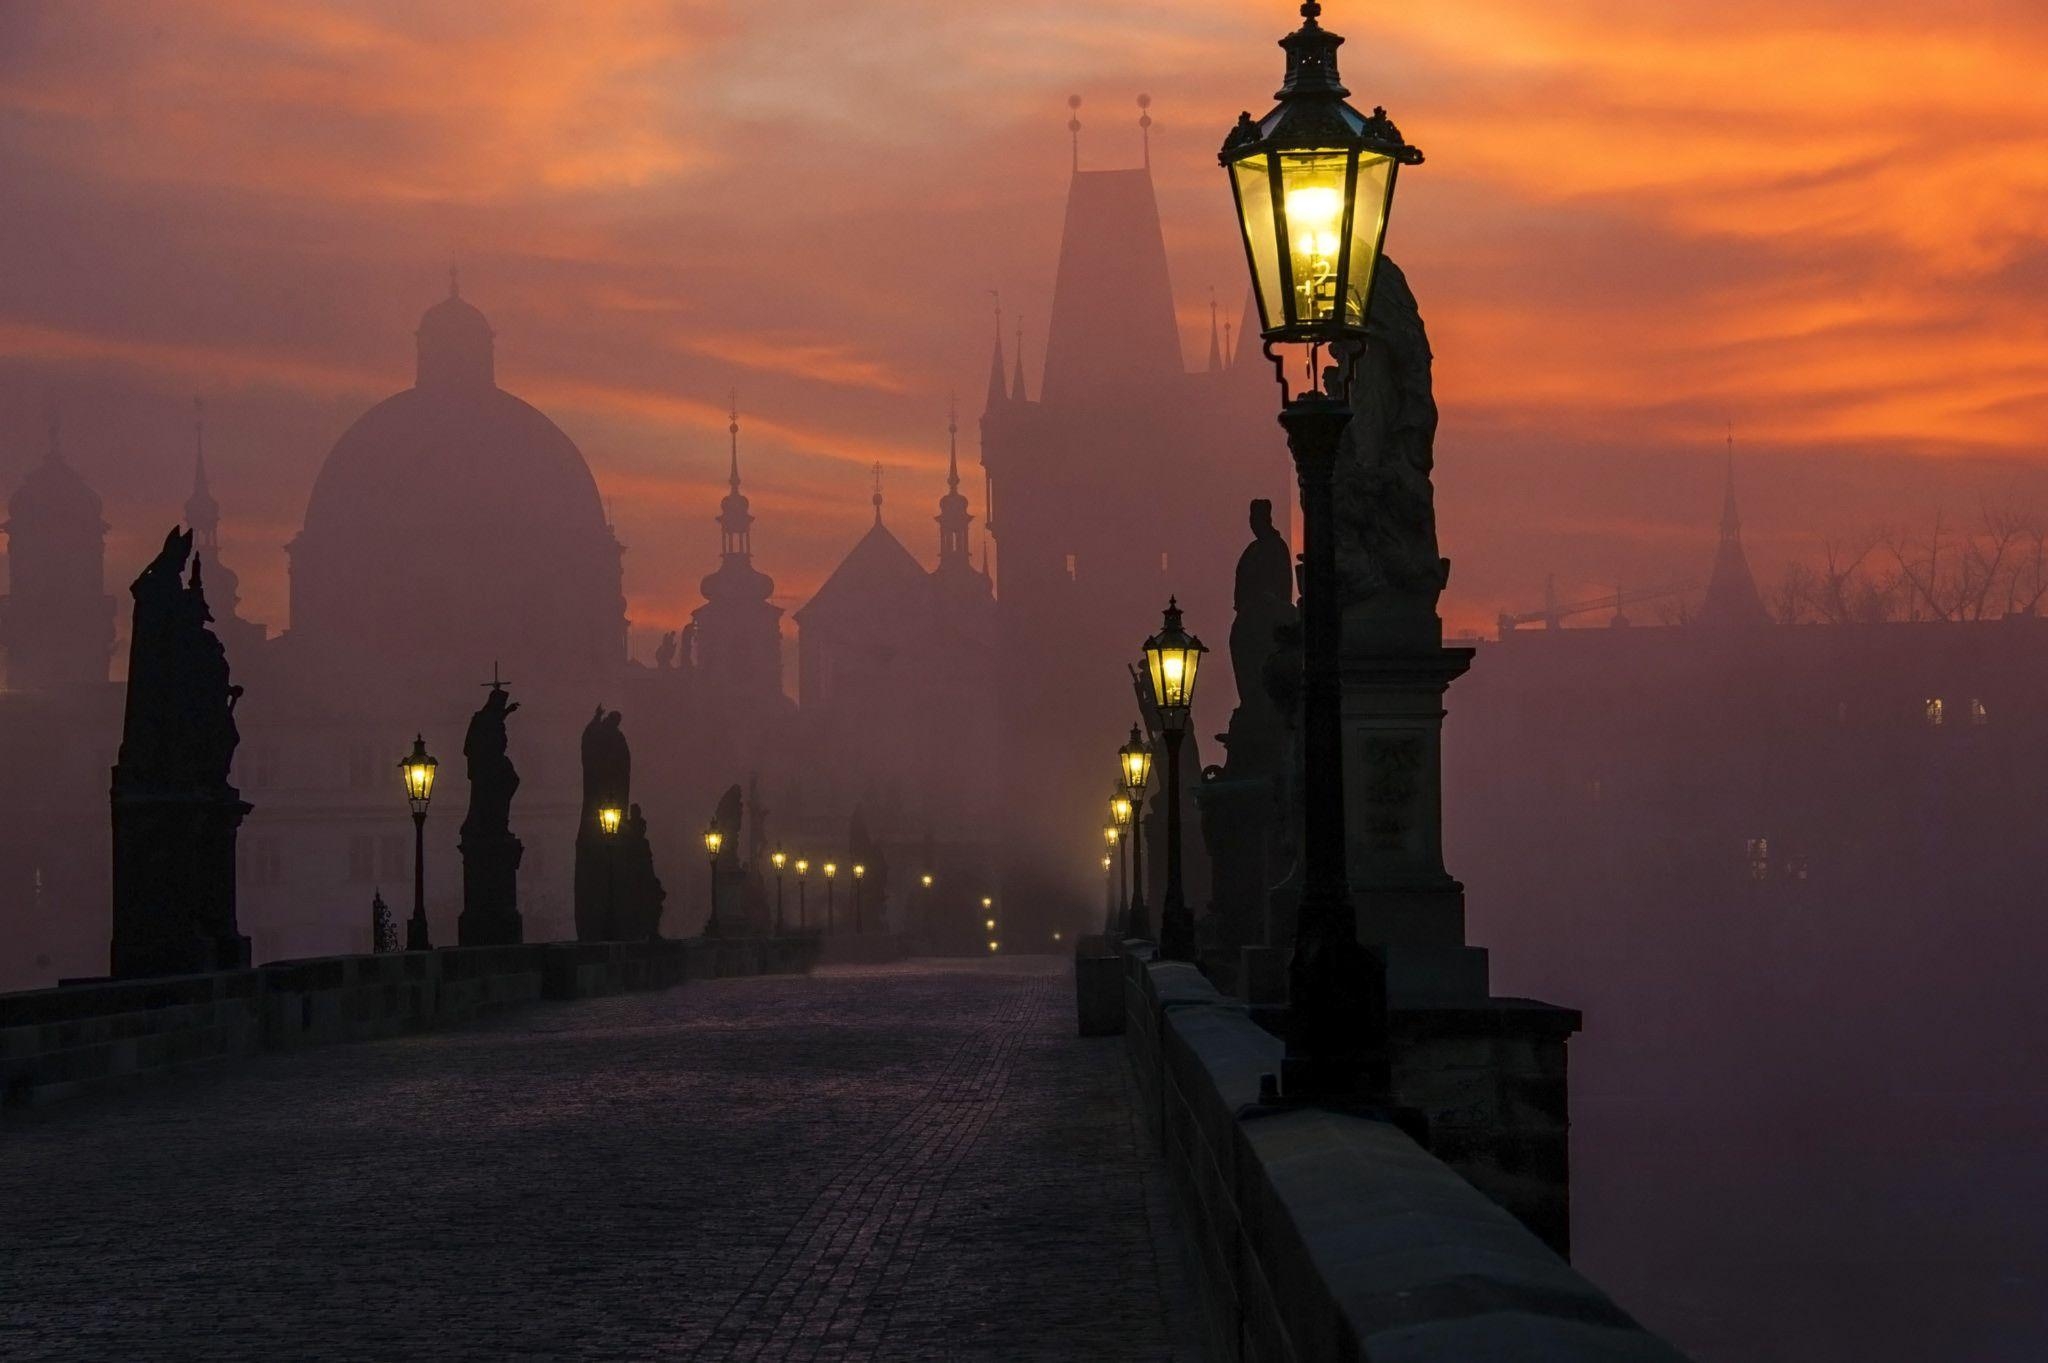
735	519
998	391
1732	598
953	518
877	498
1017	393
202	513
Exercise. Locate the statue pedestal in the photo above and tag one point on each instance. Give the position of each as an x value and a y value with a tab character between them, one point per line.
490	891
174	881
1410	910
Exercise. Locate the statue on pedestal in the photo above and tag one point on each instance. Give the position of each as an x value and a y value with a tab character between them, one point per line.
490	852
175	815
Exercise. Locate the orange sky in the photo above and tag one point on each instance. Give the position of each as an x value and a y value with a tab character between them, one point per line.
1820	221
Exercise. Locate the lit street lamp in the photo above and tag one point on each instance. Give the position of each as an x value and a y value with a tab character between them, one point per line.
609	820
714	839
860	873
803	874
418	770
1120	816
1172	657
779	859
1113	883
1313	183
831	874
1134	763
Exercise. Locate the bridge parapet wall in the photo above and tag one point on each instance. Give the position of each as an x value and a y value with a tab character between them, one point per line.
89	1037
1322	1235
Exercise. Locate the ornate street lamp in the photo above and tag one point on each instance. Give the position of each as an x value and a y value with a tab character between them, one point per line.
860	873
1113	884
610	818
1172	658
831	874
1134	764
714	840
778	859
1120	812
418	768
1314	182
803	874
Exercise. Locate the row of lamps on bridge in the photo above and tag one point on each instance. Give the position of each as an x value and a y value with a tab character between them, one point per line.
1313	185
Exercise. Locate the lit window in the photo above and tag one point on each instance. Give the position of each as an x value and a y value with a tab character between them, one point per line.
1162	563
1934	713
1977	715
1758	850
1073	573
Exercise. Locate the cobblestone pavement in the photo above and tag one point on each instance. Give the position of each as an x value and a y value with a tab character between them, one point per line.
905	1162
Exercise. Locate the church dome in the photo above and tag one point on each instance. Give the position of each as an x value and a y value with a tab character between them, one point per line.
453	522
54	493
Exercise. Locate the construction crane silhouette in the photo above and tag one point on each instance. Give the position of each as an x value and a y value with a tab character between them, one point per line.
1554	613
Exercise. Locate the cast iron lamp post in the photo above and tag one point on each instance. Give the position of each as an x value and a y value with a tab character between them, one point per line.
860	874
1313	183
1112	839
610	818
1134	761
1172	657
803	875
418	770
779	859
831	875
714	839
1120	816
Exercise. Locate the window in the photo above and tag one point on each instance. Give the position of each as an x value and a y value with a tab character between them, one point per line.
1163	569
362	859
1758	852
1073	571
1977	715
1933	711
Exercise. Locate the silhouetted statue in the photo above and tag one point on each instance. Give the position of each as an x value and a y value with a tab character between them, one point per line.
618	896
490	851
174	813
1241	816
726	917
1264	603
636	916
1386	505
665	652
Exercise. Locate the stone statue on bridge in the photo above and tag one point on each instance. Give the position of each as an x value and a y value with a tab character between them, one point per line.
1387	560
618	896
175	815
490	852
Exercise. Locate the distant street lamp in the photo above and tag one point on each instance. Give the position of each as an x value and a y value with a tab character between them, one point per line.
1172	658
610	818
417	768
860	873
1114	885
714	839
779	859
831	875
1313	183
925	880
1120	815
1134	762
803	874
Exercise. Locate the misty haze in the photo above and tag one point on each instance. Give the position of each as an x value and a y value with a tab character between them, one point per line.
709	682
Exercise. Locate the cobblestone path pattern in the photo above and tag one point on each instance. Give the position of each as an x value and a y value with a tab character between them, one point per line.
904	1162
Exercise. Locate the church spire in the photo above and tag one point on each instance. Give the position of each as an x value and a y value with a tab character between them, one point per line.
1017	393
877	498
953	518
998	391
1732	596
735	519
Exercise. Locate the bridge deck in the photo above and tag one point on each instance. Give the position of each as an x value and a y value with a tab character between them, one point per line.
903	1162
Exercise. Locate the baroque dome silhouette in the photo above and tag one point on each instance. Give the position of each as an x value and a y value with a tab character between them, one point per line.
454	524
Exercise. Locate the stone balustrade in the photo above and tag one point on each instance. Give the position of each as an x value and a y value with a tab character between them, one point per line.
89	1037
1319	1235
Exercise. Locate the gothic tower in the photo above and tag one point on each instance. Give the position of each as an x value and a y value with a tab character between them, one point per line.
58	620
223	587
738	631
